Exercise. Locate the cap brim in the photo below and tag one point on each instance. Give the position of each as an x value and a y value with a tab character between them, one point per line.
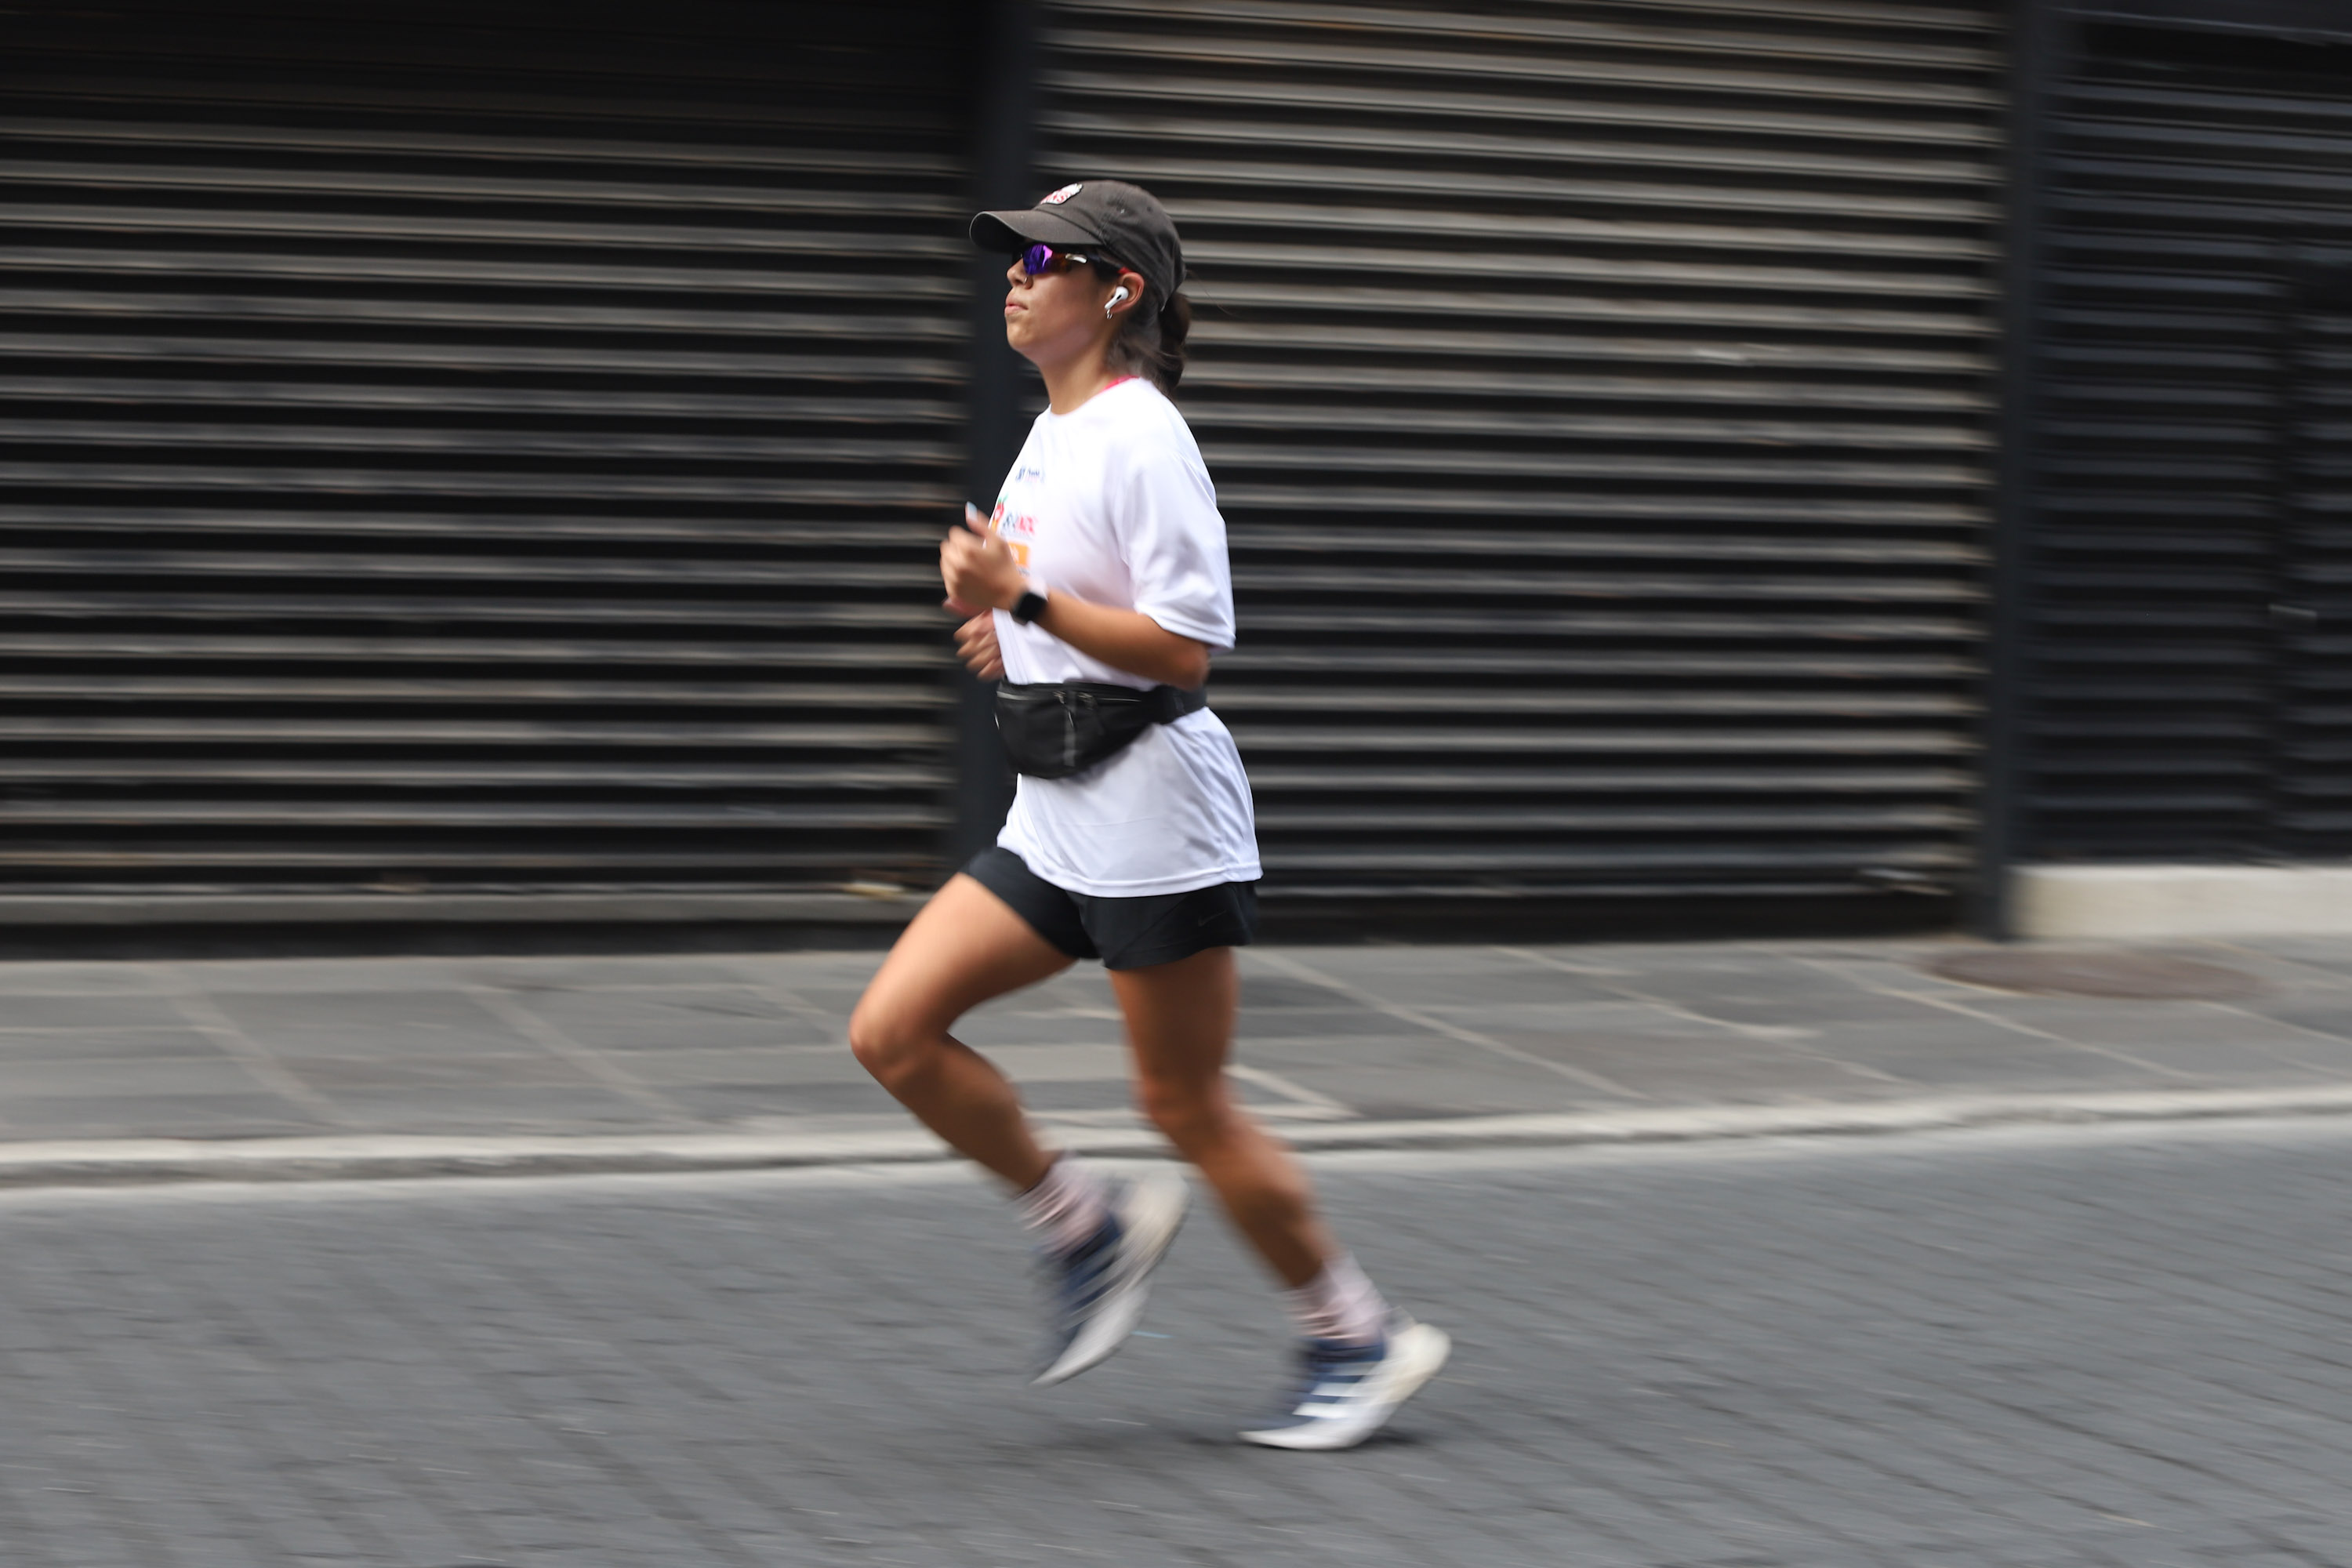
1004	233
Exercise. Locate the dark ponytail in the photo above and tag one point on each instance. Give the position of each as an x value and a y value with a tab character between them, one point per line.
1151	344
1175	326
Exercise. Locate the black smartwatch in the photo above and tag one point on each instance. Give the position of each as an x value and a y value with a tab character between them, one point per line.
1027	608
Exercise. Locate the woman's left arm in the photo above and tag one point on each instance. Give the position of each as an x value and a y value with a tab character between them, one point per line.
981	574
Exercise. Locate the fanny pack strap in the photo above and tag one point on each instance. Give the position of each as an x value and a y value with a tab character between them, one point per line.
1156	705
1166	704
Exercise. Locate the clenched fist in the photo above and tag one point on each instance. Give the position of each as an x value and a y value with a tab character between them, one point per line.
977	568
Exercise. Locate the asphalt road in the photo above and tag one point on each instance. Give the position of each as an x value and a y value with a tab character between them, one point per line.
2111	1346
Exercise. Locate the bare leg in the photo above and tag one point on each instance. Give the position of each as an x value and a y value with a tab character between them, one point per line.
1179	1020
965	947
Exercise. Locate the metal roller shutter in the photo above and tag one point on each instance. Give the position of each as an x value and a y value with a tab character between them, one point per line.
2313	620
1598	397
455	451
2177	685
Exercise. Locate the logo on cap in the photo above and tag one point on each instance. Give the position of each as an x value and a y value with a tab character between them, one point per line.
1064	195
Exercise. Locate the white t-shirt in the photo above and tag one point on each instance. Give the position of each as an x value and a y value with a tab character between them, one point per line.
1112	503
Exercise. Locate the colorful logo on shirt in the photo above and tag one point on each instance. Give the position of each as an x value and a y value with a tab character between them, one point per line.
1018	530
1064	195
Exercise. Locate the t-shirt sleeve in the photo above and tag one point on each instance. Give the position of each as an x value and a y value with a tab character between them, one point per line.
1173	540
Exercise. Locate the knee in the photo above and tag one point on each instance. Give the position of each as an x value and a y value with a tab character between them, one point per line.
1188	1114
886	1042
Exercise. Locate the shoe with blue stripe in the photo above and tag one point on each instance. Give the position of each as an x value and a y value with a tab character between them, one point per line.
1099	1289
1347	1391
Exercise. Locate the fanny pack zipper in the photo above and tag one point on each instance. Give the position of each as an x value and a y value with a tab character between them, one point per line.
1070	700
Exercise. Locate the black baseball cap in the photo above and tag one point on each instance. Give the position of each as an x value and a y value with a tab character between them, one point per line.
1126	222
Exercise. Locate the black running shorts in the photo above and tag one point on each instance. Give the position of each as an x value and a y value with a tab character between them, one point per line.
1125	933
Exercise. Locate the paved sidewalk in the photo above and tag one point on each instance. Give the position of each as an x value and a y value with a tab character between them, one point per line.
1338	1044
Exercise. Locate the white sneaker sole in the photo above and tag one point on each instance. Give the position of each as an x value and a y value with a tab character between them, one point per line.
1416	1353
1149	1213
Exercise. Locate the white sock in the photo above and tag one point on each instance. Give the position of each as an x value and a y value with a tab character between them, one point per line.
1069	1206
1338	1304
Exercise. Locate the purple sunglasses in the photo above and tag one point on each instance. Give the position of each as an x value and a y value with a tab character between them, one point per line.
1039	259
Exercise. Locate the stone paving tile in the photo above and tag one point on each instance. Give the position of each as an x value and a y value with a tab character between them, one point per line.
778	1066
153	1077
999	1028
1516	986
1733	1080
488	1108
641	1007
418	1007
1799	1011
2329	1025
797	1033
1926	1073
2229	1063
834	1000
103	1009
337	1076
645	969
98	1045
123	1112
1322	1022
1049	1095
492	1045
1401	1089
637	1039
1394	1097
1270	993
1896	970
735	1101
2326	954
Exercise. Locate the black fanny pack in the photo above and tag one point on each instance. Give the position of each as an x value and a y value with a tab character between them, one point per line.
1053	732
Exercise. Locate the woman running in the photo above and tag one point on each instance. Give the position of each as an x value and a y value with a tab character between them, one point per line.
1098	590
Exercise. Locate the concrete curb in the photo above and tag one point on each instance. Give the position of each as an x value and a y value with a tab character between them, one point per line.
104	1161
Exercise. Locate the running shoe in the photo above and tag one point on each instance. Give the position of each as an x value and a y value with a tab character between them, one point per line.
1347	1392
1099	1288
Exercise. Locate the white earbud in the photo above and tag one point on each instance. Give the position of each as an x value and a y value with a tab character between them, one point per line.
1117	298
